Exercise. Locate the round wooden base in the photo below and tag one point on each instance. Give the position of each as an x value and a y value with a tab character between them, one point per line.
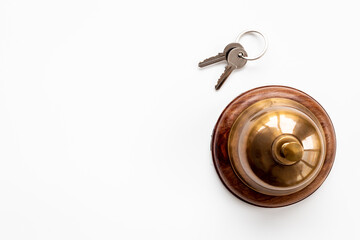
220	142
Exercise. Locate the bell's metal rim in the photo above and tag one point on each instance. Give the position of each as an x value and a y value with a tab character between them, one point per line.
221	132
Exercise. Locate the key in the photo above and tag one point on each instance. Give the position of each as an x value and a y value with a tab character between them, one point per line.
221	56
235	61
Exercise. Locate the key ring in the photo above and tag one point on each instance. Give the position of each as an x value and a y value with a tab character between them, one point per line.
261	53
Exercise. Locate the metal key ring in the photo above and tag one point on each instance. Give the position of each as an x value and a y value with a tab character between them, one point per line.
261	53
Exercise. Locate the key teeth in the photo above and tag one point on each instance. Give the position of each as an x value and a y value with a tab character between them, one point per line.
211	60
222	78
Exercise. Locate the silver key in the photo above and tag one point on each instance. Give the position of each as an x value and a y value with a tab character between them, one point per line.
221	56
235	61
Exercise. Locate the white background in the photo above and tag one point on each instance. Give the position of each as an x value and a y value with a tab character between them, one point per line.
106	119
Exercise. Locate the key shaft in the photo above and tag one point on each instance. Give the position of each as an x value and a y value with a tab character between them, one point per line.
228	70
209	61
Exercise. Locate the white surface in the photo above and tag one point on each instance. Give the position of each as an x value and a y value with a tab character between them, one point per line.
106	119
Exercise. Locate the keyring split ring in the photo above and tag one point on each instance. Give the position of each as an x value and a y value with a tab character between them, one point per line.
261	53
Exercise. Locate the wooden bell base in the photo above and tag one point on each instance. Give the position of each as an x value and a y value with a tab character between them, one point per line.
222	129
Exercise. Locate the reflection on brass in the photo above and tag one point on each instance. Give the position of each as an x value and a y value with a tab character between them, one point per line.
276	146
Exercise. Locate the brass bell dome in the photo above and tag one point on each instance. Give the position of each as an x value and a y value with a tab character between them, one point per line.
276	146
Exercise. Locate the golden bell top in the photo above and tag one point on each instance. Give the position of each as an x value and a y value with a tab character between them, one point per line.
276	146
